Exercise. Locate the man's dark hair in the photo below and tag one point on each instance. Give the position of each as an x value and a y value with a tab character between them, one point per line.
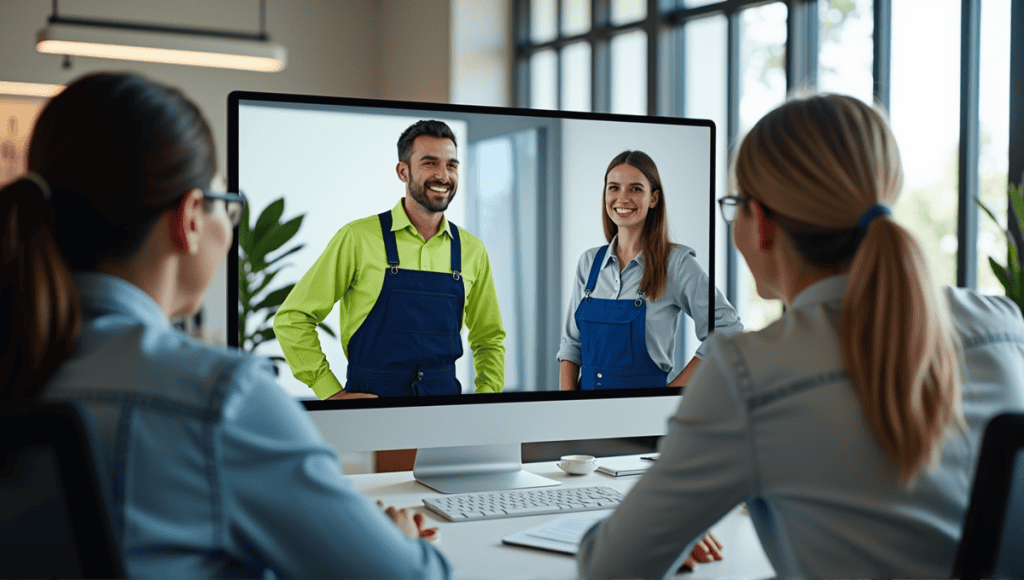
430	128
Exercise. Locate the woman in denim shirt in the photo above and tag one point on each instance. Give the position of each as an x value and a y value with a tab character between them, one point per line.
851	425
212	470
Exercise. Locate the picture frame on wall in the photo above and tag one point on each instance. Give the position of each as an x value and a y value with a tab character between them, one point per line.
18	115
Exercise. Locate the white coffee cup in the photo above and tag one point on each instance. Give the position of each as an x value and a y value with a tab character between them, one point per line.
578	464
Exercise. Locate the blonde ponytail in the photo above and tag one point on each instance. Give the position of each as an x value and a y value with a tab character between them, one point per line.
899	347
820	163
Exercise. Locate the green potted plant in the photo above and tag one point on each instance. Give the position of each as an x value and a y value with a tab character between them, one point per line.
1012	275
257	270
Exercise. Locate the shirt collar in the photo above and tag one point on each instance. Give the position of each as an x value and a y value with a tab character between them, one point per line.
639	259
400	219
828	289
105	294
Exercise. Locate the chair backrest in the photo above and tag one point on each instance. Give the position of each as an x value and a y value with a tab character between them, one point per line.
53	517
992	544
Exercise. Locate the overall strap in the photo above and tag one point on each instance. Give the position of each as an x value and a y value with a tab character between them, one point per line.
456	249
390	247
595	269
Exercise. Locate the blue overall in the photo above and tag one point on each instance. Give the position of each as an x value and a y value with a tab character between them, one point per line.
409	342
613	340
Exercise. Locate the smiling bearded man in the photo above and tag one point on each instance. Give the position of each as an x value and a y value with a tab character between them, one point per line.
407	279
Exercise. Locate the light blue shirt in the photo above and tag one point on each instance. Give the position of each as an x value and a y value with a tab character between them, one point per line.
772	419
686	291
213	471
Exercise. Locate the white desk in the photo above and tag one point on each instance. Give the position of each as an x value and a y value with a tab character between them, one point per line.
475	549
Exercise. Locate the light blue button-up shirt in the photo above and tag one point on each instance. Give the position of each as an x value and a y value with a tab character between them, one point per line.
213	471
771	418
686	291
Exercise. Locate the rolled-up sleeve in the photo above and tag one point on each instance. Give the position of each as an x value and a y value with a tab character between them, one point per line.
287	505
703	472
307	305
486	331
693	283
569	347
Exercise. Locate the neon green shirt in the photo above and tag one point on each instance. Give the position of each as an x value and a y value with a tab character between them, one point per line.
351	270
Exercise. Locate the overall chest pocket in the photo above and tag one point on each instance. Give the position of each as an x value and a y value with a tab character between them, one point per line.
607	336
416	312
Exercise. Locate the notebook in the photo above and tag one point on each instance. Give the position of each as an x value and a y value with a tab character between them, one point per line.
562	534
625	465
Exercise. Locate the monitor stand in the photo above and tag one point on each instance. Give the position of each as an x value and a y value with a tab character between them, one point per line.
475	468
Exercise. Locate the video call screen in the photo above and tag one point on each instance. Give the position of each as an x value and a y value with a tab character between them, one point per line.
530	187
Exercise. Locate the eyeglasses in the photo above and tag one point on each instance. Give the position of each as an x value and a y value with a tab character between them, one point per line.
234	202
730	206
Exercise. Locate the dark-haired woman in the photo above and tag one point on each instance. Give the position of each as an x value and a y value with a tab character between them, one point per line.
212	470
624	313
851	425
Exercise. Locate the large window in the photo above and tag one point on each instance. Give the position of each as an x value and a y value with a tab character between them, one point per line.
940	67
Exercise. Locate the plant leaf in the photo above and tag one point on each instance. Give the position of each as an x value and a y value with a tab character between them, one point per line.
1017	201
243	285
277	236
990	215
274	299
271	216
1000	273
267	279
261	336
286	254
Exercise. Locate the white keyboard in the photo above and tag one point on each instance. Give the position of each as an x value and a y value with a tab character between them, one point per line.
462	507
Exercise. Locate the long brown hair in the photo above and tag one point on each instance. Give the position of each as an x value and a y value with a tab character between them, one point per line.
654	241
820	163
108	156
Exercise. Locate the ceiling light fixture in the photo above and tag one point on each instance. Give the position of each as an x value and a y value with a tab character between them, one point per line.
163	44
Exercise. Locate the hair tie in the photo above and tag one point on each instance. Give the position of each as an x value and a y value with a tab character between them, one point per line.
40	183
872	213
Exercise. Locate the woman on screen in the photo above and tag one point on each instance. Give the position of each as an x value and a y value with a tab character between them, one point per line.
623	316
851	425
212	469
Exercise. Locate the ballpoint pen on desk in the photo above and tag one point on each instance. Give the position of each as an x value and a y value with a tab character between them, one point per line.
651	457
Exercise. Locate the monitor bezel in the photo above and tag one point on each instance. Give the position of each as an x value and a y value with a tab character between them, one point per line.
235	98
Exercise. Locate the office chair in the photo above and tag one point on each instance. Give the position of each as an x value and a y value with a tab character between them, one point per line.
992	543
53	517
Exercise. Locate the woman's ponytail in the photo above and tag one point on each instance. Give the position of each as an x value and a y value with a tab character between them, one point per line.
899	347
829	168
36	289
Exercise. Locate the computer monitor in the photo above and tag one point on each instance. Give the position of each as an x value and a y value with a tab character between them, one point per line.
530	188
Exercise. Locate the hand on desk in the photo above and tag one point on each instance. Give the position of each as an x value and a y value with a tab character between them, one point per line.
343	394
410	524
707	550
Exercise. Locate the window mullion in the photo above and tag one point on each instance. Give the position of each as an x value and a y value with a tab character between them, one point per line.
651	28
1016	161
802	44
731	134
970	78
882	63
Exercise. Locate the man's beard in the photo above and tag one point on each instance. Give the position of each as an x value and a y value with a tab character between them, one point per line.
419	193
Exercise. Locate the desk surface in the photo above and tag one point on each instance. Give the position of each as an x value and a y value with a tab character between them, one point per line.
475	549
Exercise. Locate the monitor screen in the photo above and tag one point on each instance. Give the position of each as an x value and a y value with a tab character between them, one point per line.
530	191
